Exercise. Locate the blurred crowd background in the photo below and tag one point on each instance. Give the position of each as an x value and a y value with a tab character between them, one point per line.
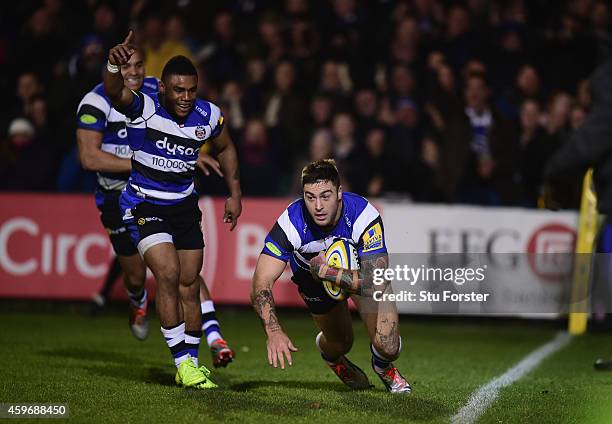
437	101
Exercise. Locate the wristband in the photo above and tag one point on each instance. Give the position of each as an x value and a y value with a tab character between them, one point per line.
113	69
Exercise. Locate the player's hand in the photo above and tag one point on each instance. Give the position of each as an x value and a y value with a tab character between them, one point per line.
121	53
316	265
207	161
279	348
233	209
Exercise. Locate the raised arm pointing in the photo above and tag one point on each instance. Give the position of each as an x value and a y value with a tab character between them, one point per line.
119	95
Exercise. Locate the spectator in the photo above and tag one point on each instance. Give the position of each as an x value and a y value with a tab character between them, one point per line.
285	111
406	133
371	172
535	149
321	147
258	166
159	49
478	156
527	86
336	83
22	152
220	56
321	110
28	87
232	100
255	85
343	128
366	110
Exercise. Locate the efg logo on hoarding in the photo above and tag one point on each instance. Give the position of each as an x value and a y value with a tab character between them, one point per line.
550	251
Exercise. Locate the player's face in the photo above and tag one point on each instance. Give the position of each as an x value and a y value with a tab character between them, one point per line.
179	93
133	72
323	202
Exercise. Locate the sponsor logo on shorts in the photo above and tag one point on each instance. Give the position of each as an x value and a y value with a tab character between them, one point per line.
143	221
116	231
88	119
272	248
310	299
373	238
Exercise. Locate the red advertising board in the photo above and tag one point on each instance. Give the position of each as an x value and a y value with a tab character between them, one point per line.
54	247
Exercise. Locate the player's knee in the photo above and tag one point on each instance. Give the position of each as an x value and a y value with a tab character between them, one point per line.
168	274
388	347
188	280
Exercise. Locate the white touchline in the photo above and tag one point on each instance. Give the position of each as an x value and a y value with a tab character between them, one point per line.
482	398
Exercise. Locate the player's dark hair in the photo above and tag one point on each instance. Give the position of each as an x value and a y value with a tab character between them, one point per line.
321	170
178	65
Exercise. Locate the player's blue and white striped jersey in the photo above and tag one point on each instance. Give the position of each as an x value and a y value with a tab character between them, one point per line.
296	238
96	113
166	151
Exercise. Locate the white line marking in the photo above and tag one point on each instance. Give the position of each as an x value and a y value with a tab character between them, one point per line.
486	395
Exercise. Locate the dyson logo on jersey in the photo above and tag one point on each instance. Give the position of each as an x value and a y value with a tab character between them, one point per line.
173	148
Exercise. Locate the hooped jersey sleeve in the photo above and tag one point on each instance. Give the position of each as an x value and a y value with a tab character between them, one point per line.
282	240
93	112
372	239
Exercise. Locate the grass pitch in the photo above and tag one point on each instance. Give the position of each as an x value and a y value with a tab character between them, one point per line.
104	375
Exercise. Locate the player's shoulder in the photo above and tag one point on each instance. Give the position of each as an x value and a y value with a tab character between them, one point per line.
206	112
355	205
294	214
97	97
150	85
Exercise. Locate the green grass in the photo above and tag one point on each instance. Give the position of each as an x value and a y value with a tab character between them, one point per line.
104	375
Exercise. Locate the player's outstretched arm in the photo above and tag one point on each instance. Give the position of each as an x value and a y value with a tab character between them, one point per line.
93	158
228	158
267	271
120	96
359	281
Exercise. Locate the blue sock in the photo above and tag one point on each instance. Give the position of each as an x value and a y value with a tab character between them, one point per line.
138	299
380	363
192	344
210	325
175	339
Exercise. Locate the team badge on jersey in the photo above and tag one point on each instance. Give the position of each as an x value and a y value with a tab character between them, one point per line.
200	133
373	239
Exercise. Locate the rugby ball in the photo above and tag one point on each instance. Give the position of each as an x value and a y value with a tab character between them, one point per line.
341	254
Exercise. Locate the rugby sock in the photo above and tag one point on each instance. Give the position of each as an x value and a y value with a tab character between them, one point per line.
210	325
192	343
138	299
381	364
323	355
175	339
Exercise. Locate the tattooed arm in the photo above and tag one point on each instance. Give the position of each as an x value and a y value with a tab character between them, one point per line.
268	270
359	281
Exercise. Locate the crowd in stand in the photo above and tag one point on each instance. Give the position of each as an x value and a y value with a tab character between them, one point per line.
437	101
